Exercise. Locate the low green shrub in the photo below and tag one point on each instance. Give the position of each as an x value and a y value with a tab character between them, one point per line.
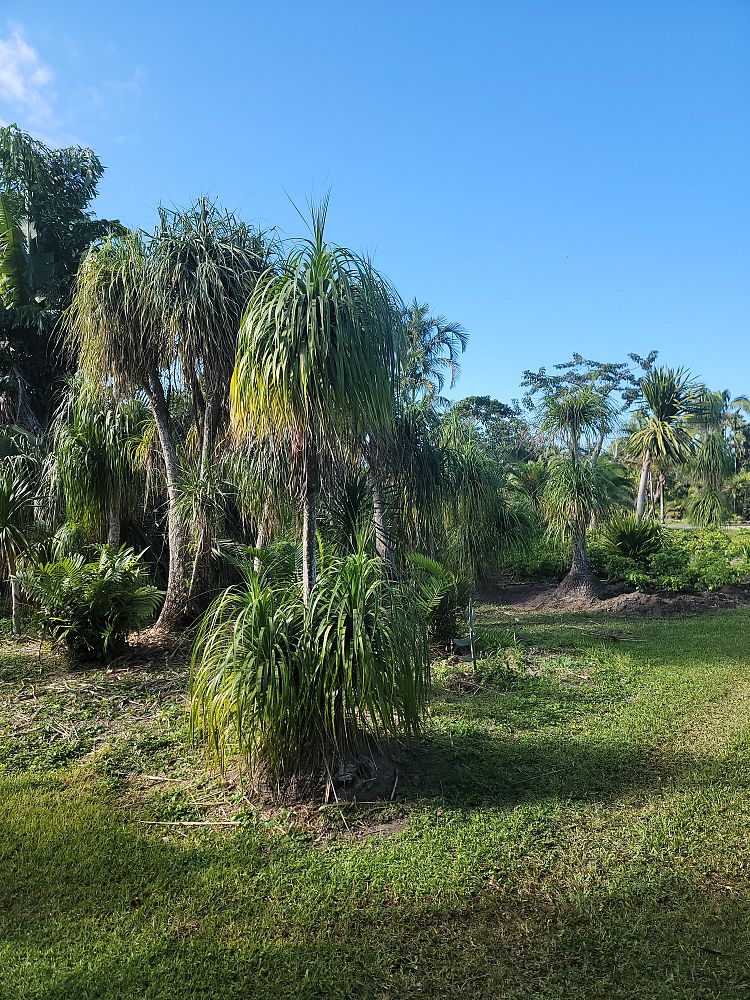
545	559
91	606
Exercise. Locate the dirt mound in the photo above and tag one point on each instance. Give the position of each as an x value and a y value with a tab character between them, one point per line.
618	600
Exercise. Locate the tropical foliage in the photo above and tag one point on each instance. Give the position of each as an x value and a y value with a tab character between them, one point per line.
92	606
266	421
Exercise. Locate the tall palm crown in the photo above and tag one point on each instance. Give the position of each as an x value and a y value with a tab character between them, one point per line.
205	265
667	397
113	321
432	347
573	414
317	347
316	362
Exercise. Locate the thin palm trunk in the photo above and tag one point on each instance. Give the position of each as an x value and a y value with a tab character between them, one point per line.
382	535
113	523
309	504
174	610
263	533
662	482
641	501
309	521
15	597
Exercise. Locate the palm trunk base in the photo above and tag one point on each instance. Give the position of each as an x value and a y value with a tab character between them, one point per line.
579	585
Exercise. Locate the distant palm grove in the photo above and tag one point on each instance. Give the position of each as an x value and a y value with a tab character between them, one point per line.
208	426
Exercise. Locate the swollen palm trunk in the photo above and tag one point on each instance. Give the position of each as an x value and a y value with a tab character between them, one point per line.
580	583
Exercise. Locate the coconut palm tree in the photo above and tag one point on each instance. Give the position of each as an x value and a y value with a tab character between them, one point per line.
666	398
316	362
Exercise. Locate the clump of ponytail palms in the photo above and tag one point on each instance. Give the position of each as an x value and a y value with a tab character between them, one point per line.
296	689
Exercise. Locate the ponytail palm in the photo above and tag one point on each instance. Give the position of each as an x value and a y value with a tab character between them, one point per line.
580	486
94	438
115	325
667	397
315	362
17	503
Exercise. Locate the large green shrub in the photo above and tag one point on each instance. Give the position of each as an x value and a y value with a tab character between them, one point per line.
297	690
91	606
685	561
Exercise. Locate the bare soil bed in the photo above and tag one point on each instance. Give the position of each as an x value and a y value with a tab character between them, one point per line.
619	600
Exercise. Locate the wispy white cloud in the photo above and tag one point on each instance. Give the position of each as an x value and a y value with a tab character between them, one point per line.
25	82
76	110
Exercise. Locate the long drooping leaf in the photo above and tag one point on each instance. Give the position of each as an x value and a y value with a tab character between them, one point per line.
14	287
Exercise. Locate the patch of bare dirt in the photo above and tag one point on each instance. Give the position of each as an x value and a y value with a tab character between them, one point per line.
617	599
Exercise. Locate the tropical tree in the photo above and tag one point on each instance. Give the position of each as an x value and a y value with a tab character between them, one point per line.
95	437
316	363
45	227
115	326
667	397
17	507
580	486
206	262
431	350
485	517
711	465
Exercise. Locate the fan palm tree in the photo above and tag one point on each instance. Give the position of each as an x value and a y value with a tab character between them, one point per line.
667	397
316	362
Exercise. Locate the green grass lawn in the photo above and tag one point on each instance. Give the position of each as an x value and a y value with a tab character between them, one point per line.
577	826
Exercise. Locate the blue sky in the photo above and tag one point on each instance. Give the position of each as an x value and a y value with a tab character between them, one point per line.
557	176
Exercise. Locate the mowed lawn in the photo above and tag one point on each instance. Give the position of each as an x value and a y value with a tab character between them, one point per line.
576	826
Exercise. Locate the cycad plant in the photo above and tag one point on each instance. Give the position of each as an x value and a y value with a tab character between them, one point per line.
92	606
299	690
626	536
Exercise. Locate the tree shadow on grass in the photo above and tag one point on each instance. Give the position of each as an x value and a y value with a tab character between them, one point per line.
475	768
672	941
90	908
